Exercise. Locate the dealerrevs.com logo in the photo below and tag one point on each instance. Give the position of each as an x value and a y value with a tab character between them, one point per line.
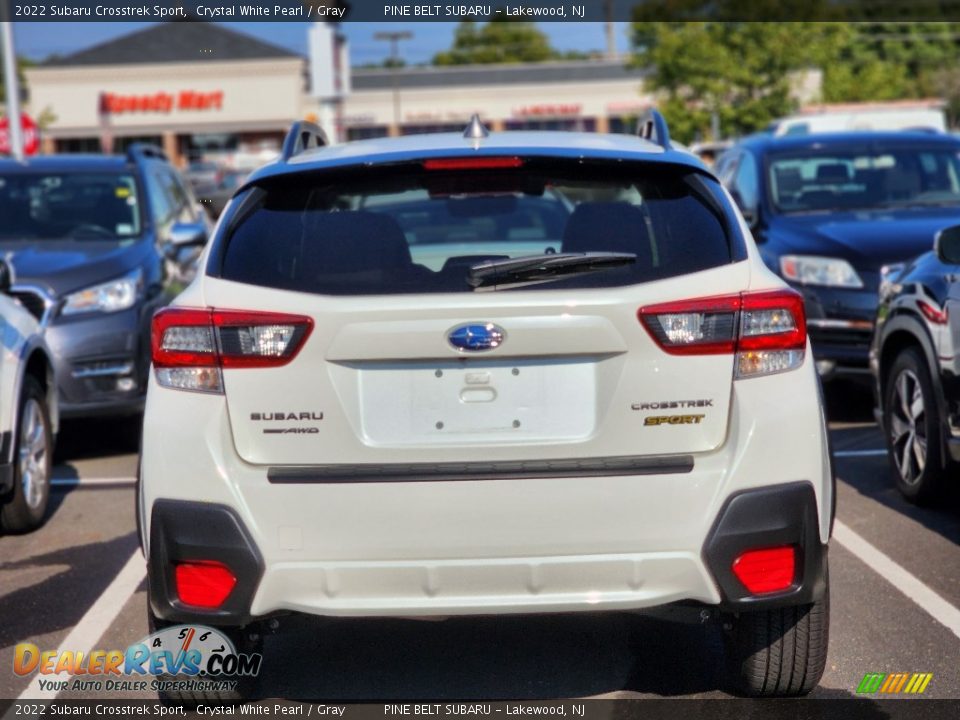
180	658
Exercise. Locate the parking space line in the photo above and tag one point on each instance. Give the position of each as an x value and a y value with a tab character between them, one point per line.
859	453
910	585
97	619
74	481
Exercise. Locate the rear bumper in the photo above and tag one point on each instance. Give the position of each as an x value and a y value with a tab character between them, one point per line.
760	518
560	541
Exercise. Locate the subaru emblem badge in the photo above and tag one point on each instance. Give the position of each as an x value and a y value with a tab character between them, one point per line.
476	337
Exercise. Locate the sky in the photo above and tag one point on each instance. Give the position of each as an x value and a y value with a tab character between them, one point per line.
39	40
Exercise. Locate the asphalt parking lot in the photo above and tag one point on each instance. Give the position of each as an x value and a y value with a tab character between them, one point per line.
78	583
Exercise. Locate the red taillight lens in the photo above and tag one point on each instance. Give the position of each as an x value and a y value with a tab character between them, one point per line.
191	345
937	317
768	570
203	583
470	163
766	330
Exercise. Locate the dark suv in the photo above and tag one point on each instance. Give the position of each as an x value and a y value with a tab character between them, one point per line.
97	244
832	212
915	359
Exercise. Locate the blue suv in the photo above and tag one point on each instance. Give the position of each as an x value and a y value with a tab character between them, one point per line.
832	213
97	244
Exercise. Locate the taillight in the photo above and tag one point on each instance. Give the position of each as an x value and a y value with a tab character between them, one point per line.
767	570
191	346
203	583
767	331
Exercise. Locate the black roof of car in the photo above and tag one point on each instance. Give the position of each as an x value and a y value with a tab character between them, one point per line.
765	142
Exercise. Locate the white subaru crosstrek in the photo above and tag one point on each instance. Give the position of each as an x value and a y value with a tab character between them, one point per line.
28	413
489	373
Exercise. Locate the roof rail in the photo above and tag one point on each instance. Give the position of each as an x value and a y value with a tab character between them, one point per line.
303	135
137	151
653	127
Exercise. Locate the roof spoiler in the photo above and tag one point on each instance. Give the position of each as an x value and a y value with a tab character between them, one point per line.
138	151
651	126
303	135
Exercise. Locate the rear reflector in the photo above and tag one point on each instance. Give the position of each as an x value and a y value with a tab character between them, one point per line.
470	163
766	330
190	346
766	571
203	583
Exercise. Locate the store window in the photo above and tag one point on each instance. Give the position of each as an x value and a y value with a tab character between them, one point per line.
121	144
569	124
367	133
78	145
422	129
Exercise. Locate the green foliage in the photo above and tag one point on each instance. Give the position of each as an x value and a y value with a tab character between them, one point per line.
742	71
21	64
501	40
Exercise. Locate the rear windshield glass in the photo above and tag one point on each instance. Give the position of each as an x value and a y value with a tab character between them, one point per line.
865	178
422	231
76	206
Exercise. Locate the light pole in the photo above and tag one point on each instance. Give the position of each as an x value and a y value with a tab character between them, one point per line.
394	39
14	129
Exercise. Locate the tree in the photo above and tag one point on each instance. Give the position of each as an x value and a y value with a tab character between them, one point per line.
501	40
740	71
21	64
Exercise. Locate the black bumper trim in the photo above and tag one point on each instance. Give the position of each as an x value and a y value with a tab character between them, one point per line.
180	531
768	517
445	472
6	462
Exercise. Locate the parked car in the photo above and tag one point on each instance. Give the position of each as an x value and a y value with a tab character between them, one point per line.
830	211
28	415
482	374
915	360
90	239
215	197
203	174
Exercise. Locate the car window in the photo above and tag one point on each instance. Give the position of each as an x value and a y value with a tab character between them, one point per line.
746	181
80	206
172	202
865	178
415	231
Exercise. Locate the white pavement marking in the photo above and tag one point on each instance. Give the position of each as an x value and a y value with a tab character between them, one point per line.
96	621
910	585
74	481
859	453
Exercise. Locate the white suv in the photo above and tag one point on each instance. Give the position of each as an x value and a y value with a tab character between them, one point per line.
28	414
490	373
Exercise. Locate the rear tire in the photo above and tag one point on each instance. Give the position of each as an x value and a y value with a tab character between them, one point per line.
245	640
780	652
912	426
26	505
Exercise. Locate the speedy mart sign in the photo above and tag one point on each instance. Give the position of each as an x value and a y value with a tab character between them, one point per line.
31	135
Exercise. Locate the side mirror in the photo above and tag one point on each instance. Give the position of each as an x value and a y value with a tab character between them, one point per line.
6	277
186	234
947	245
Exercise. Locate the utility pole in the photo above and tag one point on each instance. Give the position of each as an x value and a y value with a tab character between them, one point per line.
12	86
394	39
611	30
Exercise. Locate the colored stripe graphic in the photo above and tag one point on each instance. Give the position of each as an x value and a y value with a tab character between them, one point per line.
893	683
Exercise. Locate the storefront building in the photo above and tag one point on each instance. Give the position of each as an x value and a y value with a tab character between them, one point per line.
200	90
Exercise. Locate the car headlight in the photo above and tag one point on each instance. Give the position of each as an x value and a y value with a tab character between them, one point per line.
812	270
112	296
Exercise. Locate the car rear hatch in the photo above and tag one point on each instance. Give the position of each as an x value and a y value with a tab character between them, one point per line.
401	345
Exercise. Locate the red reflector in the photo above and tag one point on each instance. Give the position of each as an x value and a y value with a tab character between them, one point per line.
204	583
937	317
469	163
765	571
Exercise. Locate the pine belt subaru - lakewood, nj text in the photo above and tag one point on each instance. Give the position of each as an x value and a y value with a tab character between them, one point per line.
489	373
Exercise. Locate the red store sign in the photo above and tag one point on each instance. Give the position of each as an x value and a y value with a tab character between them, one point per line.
549	110
161	102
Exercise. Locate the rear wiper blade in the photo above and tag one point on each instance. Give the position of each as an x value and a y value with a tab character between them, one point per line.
535	268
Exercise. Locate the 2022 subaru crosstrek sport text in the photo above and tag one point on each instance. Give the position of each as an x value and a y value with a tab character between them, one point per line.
487	374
